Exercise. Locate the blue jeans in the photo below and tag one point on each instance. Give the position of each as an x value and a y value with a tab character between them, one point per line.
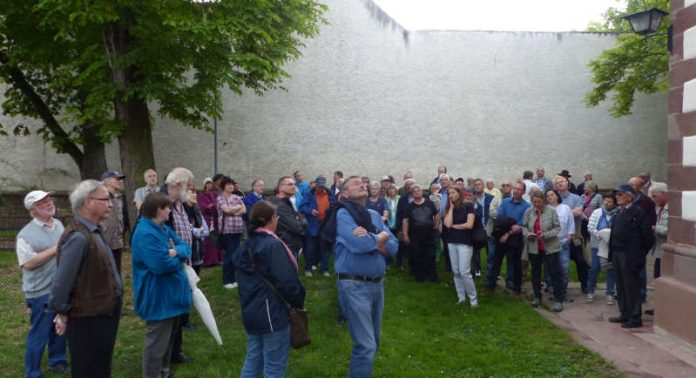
594	273
363	303
232	242
564	259
268	354
40	334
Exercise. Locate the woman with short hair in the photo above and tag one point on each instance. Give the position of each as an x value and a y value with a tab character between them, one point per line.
599	227
161	292
230	210
540	229
266	317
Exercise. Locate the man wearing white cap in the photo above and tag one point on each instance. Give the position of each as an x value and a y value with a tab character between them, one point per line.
36	253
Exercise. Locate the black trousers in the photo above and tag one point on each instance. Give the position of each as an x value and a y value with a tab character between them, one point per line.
627	268
117	257
178	335
512	251
91	342
581	266
553	262
423	255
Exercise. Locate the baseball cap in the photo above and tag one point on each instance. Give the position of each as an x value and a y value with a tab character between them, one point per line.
386	178
112	173
625	188
320	181
207	180
34	197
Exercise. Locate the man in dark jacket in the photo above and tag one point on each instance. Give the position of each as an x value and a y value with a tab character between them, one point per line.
87	289
291	225
631	239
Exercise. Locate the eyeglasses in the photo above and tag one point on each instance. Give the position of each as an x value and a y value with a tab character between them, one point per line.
105	200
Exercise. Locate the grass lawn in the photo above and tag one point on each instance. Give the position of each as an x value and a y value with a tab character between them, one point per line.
424	334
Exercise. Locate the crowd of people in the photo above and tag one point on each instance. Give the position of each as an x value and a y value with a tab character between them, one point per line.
367	226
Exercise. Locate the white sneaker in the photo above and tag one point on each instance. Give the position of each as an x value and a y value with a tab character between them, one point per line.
308	273
610	300
474	304
461	301
326	274
590	298
231	286
314	267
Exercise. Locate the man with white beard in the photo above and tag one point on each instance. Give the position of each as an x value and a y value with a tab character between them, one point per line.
176	186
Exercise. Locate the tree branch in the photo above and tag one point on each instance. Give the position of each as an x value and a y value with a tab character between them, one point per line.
19	80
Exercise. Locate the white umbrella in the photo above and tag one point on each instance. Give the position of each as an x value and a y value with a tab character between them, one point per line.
202	305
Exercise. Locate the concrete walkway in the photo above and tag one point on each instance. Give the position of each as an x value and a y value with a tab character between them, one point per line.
637	352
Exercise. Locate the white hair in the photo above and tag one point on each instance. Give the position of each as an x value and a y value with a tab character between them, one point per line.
658	187
81	192
375	185
179	175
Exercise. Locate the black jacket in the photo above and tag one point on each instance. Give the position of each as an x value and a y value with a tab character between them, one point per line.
291	225
631	233
262	310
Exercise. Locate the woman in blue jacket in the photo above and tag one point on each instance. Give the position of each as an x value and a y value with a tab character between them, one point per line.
160	286
266	318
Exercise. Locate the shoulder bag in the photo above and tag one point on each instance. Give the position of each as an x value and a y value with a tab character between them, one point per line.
299	322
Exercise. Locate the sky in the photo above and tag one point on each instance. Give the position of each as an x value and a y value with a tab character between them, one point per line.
498	15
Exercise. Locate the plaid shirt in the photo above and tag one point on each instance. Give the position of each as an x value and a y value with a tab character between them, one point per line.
230	224
182	227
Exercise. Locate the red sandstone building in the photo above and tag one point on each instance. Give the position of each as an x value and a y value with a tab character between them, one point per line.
675	295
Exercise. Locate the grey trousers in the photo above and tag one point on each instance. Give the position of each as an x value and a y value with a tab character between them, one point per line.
157	348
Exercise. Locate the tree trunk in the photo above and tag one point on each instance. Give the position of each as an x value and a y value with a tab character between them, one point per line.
135	142
93	156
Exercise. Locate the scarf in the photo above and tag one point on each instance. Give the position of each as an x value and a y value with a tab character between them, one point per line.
287	249
359	214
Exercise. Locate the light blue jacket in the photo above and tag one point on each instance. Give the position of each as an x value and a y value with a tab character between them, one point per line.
160	286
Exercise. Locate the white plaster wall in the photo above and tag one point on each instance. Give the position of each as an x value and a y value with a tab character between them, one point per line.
366	100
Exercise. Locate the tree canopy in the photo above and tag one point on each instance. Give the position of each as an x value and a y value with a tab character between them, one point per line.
636	64
91	71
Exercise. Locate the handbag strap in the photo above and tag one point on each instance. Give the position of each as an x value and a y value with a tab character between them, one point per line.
266	280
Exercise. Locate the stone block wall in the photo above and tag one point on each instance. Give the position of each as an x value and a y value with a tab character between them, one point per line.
675	293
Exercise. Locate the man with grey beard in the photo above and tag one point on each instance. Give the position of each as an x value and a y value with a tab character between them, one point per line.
176	186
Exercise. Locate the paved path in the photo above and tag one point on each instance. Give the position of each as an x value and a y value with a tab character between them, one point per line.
637	352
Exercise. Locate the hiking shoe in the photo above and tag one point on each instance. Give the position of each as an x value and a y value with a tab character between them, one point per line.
231	285
610	300
589	298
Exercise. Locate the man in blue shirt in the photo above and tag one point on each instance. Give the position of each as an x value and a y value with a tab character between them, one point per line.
362	241
509	238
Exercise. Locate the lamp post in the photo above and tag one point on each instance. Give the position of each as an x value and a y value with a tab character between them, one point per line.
215	150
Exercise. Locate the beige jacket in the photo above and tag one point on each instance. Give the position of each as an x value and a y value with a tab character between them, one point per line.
550	227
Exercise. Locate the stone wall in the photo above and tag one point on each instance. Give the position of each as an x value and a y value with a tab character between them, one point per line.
370	98
675	290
